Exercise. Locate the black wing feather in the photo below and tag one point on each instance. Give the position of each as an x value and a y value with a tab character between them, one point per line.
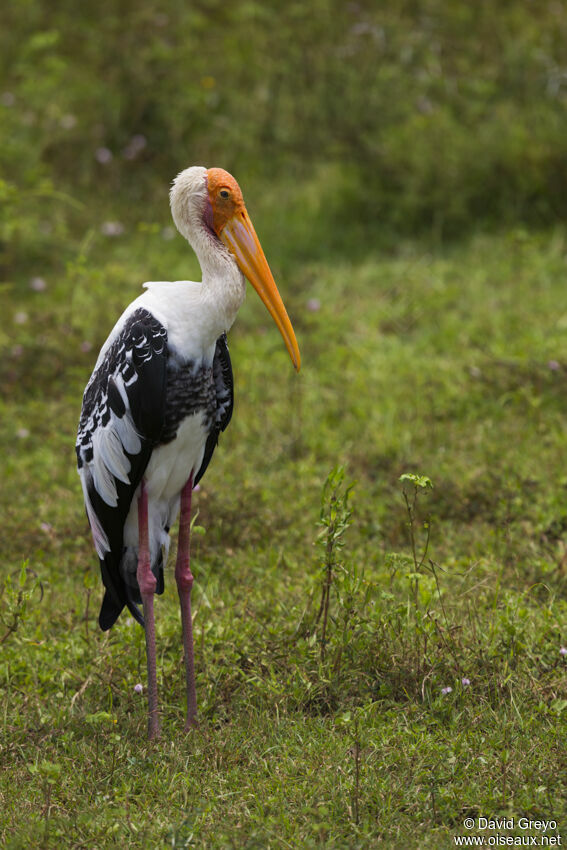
224	384
137	359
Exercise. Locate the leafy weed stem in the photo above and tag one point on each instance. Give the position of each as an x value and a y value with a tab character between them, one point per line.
334	520
450	644
16	597
416	484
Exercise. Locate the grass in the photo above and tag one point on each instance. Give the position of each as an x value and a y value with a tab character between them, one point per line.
447	362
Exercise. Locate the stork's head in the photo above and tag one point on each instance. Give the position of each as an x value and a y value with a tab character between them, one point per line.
210	200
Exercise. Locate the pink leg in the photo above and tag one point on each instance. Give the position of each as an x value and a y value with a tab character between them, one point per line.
184	579
147	584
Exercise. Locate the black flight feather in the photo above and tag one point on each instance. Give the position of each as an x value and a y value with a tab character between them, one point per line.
224	385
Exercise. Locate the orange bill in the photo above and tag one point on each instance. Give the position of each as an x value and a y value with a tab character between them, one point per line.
240	238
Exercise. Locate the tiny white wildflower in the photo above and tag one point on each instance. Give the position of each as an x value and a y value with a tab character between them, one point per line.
103	155
136	144
38	284
68	122
112	228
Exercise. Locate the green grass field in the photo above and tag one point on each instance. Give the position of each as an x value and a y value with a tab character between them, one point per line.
439	692
380	556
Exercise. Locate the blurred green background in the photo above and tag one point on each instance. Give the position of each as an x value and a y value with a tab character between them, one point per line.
365	120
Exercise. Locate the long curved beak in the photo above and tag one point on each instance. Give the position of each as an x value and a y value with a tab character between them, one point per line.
240	238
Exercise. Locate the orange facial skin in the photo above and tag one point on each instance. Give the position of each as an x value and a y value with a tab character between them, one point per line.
232	225
225	195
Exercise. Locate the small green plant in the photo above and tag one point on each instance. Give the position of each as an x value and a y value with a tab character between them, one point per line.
351	722
50	773
412	487
15	597
334	521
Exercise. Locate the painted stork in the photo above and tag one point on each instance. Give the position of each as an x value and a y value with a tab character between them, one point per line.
159	396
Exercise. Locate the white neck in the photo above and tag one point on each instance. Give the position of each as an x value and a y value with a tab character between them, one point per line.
223	283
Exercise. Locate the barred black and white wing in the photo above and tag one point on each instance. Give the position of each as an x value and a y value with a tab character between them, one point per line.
121	422
224	387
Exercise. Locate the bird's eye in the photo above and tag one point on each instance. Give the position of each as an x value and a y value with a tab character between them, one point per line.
224	193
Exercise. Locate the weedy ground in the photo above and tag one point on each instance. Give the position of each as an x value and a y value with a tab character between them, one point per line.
380	594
